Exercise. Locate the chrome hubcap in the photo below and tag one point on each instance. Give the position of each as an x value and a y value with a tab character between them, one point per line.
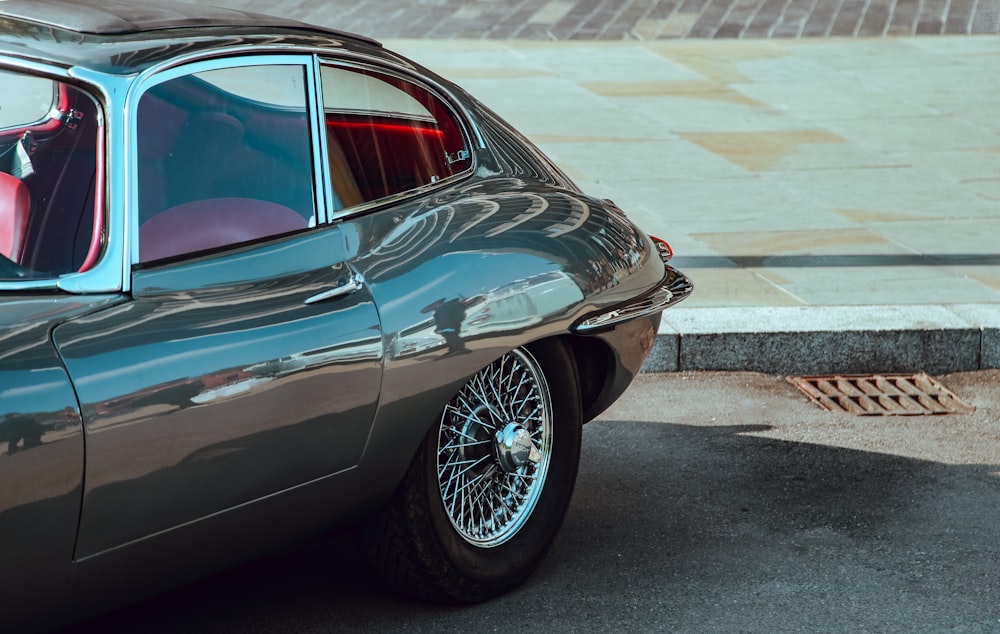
514	448
494	447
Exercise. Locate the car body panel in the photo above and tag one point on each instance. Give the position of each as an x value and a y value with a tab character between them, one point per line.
186	390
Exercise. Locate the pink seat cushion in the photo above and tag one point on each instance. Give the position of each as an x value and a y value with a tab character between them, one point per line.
15	204
209	224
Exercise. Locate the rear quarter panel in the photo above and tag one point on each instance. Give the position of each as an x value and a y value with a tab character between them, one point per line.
477	269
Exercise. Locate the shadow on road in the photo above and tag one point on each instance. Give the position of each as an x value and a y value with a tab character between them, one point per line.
674	528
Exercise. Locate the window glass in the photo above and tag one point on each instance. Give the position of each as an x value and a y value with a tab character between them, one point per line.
273	86
386	135
349	91
26	99
224	158
51	222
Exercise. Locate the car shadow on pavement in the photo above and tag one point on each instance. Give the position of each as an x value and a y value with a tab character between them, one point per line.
674	528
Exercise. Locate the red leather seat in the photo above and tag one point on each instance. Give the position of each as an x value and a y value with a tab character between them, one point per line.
212	223
15	205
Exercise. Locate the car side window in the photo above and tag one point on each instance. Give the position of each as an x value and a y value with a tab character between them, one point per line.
386	135
223	158
51	177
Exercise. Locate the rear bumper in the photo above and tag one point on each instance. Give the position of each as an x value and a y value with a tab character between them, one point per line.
674	287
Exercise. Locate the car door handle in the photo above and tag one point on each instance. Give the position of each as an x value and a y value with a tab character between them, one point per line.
349	283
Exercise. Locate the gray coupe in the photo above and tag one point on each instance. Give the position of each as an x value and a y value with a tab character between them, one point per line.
261	280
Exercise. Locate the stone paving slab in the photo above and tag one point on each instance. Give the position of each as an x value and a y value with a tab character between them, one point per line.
639	19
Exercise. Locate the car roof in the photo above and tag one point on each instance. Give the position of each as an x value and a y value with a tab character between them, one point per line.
116	17
71	32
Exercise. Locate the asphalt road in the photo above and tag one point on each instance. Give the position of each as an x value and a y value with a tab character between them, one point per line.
705	503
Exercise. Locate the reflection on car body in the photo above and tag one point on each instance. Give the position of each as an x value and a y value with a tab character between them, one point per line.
515	305
260	280
523	303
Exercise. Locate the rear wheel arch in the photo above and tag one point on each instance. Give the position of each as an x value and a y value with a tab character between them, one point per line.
594	360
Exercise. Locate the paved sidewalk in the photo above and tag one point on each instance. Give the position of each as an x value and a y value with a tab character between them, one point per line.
836	200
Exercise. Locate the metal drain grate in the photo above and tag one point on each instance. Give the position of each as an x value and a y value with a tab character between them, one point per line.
882	395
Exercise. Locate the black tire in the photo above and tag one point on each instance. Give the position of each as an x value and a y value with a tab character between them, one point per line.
421	548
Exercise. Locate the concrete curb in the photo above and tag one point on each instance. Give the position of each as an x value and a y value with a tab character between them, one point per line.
829	339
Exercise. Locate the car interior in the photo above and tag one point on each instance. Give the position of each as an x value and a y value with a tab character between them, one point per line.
50	221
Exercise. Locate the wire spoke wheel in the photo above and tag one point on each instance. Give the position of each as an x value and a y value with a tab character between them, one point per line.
494	449
483	499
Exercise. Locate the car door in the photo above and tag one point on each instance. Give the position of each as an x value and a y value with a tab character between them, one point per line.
248	361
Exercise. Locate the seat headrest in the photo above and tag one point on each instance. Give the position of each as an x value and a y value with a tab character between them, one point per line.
15	205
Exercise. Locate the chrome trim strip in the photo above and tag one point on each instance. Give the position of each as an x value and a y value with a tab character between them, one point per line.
674	288
322	185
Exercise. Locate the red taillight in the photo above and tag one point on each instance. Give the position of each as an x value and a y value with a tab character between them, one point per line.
661	245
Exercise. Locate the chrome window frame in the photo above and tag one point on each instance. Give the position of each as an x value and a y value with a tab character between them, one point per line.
105	276
472	138
118	94
185	67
